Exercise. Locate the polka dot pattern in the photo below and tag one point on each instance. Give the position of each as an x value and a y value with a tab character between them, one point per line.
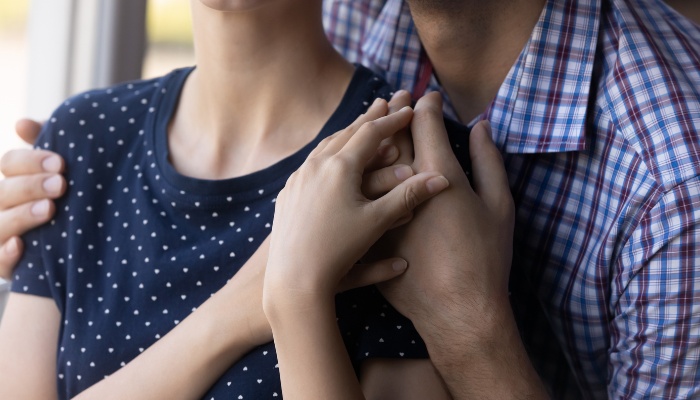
135	247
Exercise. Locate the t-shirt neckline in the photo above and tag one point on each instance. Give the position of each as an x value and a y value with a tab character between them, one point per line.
242	188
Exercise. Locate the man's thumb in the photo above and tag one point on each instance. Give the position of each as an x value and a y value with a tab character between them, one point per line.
489	177
430	141
28	130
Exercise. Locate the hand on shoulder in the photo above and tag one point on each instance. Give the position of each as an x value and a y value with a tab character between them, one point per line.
31	181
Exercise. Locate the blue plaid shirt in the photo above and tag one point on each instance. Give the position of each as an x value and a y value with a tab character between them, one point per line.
598	122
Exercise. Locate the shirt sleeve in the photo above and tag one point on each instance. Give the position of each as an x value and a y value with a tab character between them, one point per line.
655	330
30	275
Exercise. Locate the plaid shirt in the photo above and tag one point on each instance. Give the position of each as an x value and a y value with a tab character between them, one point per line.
598	122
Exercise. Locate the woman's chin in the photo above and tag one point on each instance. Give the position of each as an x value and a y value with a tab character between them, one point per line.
234	5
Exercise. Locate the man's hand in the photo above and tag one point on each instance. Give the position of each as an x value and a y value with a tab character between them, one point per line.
459	250
459	244
32	180
340	223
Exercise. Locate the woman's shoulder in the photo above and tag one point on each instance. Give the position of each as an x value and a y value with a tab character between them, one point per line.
109	100
87	115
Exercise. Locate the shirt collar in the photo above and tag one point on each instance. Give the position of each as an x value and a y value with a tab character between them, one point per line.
392	45
542	105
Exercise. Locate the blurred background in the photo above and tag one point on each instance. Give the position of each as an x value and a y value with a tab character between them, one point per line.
168	44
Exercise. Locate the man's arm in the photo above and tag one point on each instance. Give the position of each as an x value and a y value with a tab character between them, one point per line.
459	249
32	180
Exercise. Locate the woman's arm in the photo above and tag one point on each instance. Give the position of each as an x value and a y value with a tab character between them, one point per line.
209	341
28	340
190	358
212	338
314	363
323	222
182	365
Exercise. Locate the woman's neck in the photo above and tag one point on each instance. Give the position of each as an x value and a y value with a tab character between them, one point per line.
265	83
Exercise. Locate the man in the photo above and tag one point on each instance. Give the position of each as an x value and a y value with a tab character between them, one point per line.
594	105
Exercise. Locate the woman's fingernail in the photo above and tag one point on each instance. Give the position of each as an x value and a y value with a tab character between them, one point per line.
12	247
376	101
437	184
399	265
53	184
403	172
40	208
51	164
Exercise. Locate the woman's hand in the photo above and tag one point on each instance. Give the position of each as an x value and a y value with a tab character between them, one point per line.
324	222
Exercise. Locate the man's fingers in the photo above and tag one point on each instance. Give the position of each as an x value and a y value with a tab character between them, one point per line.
18	220
23	189
378	183
28	130
403	199
489	175
398	146
10	252
386	155
369	274
27	161
362	146
399	100
430	139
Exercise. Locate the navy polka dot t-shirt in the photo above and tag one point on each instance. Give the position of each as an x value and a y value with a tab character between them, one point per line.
135	247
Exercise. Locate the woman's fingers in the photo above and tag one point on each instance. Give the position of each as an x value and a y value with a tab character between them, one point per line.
362	275
362	146
403	199
377	183
337	141
388	152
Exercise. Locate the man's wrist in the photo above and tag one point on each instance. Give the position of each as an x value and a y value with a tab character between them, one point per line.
476	333
486	360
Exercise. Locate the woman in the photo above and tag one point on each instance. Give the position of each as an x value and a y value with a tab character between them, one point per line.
172	185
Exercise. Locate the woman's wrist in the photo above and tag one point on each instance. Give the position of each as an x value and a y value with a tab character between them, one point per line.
287	300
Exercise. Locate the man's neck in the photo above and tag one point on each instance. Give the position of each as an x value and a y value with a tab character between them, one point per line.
472	45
